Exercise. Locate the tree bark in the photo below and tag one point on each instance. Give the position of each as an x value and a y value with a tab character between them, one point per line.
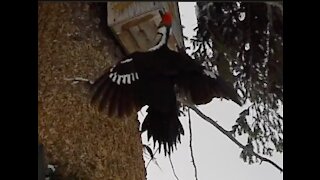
83	143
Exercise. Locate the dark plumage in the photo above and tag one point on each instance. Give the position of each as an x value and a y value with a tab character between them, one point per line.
152	78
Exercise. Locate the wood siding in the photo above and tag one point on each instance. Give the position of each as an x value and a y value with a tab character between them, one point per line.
135	24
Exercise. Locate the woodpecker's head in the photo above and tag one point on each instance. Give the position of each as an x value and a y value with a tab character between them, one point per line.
166	19
164	30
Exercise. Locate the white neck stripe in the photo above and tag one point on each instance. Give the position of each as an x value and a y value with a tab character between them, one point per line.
163	31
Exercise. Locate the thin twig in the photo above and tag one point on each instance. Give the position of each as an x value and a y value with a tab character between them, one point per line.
152	158
77	80
191	151
230	136
174	172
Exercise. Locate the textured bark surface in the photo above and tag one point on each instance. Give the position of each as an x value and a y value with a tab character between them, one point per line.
84	144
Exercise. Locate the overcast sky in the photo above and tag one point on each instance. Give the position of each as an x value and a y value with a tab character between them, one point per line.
216	156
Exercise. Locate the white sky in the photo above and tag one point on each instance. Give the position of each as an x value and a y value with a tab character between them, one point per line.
216	156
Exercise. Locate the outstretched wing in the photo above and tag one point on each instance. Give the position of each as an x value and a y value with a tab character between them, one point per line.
201	85
116	90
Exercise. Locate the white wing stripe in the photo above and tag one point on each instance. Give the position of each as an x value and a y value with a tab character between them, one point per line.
111	70
123	79
114	78
119	79
126	61
127	78
133	79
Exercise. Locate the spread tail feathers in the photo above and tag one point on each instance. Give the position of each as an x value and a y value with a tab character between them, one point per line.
164	128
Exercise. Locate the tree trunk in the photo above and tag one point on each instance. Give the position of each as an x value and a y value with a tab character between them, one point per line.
85	144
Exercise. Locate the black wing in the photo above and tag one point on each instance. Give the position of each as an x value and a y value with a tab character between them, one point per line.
116	91
201	85
142	79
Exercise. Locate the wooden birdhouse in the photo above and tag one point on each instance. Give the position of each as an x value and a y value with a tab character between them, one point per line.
134	24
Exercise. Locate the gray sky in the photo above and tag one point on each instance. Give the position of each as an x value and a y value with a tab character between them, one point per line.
215	155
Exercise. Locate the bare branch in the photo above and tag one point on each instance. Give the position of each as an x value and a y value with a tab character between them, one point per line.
152	158
229	135
192	157
76	80
174	172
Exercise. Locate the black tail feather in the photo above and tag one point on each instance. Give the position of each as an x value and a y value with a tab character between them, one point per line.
164	128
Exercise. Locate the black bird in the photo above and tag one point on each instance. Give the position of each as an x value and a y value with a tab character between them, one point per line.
153	78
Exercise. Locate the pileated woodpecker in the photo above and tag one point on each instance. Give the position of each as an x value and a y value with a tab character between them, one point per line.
152	78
